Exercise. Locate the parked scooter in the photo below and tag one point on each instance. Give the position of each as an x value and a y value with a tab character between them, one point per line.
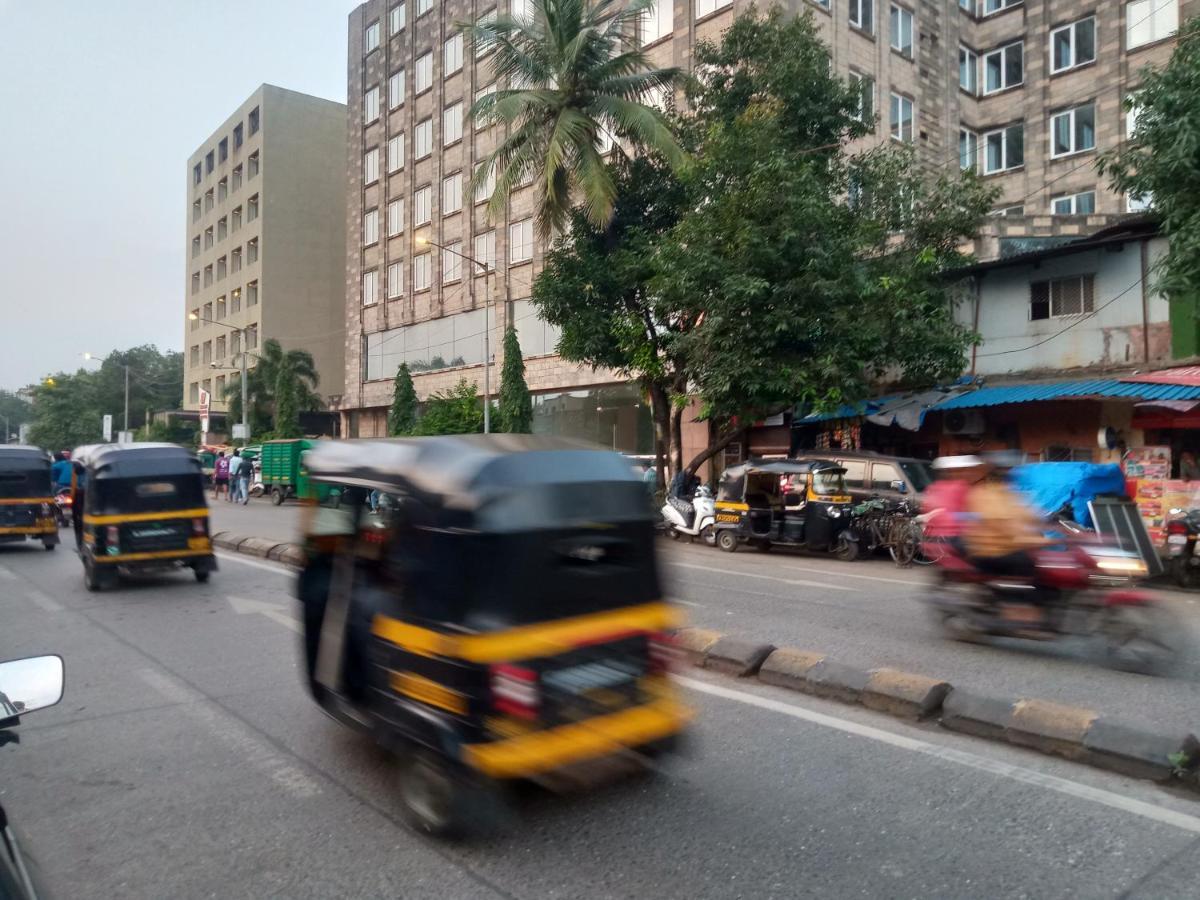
257	488
697	518
1182	532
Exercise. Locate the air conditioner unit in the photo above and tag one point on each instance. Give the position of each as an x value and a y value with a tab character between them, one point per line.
963	421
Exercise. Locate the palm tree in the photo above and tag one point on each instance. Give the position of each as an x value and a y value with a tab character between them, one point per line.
263	383
574	70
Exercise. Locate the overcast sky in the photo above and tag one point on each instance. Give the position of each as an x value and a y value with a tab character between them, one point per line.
101	105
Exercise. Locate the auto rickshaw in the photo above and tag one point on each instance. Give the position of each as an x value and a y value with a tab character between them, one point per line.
489	608
787	502
139	507
27	508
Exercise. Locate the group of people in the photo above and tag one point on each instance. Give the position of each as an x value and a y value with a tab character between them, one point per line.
232	475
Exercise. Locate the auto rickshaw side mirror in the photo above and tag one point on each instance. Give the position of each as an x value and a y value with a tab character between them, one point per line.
27	685
900	487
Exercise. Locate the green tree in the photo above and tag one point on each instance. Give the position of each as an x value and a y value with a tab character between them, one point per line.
263	381
65	411
402	417
515	411
575	71
17	410
457	411
287	409
1162	161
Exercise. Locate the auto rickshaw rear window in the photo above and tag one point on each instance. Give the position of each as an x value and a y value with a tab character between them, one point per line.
114	496
27	483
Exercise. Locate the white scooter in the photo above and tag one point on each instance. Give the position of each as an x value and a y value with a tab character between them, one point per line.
700	522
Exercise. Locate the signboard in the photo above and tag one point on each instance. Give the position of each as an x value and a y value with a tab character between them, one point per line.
107	428
1151	466
241	432
204	400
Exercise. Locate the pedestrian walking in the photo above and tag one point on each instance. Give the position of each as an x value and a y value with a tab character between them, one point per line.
235	468
220	475
245	474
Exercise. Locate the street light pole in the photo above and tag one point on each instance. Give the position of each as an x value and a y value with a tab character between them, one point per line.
489	270
241	332
125	366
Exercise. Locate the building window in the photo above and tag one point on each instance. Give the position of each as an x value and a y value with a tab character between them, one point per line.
968	70
487	187
209	162
194	392
1073	131
195	246
370	227
395	280
452	193
220	391
222	228
371	166
865	87
1004	68
902	30
222	190
395	217
538	337
208	200
703	7
862	15
239	134
396	89
422	206
208	238
397	18
482	123
252	337
522	10
423	80
223	150
370	287
221	347
1073	45
657	20
423	138
252	165
371	105
235	343
237	177
195	282
371	37
196	210
1083	203
485	252
995	6
251	294
1061	297
235	260
208	276
452	262
455	340
395	153
520	241
207	386
207	312
452	55
197	174
1139	202
252	209
1147	21
236	219
207	357
235	306
421	265
195	319
968	149
902	118
222	268
195	355
253	120
423	6
452	124
252	250
1133	109
1005	149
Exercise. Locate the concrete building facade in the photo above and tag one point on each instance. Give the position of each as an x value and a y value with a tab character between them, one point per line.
266	238
1025	92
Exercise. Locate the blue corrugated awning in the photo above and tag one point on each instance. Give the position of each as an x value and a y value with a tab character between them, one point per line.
847	411
1068	390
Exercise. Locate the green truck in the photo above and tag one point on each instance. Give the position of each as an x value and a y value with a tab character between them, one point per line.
283	471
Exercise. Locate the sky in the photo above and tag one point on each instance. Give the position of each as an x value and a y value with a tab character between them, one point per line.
100	106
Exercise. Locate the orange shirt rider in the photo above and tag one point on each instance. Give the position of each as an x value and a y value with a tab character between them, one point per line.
998	523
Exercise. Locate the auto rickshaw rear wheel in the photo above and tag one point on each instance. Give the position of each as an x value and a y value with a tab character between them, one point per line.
846	550
201	575
46	545
727	540
432	799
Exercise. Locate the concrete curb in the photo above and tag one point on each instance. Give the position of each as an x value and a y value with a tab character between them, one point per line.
262	548
1071	732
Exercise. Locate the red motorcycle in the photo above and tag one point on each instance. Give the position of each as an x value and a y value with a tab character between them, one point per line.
1081	587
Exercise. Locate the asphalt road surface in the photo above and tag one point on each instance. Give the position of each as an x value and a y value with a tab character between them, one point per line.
187	761
869	614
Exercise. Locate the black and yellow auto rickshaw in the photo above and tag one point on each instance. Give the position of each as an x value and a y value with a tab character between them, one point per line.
26	499
139	507
787	502
489	607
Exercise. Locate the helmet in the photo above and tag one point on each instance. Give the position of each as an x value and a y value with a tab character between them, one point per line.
944	463
1004	459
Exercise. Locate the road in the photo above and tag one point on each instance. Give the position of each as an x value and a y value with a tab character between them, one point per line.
869	614
187	761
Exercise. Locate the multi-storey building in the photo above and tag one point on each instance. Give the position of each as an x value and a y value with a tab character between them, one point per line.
266	239
1027	93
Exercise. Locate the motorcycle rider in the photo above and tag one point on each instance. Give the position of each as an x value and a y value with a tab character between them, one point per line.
60	471
945	501
683	488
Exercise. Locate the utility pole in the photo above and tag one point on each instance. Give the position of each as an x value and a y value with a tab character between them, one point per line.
102	360
241	332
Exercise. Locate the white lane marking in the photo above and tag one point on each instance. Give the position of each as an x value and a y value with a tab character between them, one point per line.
42	602
7	574
1132	805
909	581
277	568
688	603
232	733
243	606
796	581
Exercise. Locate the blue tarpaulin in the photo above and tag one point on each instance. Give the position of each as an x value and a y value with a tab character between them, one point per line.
1051	486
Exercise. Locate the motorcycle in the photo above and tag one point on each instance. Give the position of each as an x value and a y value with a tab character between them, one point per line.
695	519
1182	532
63	507
1086	587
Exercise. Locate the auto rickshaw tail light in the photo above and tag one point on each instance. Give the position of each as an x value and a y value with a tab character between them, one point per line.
661	652
112	536
199	526
515	690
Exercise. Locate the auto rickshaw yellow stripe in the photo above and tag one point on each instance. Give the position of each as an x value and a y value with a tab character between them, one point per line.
526	641
201	513
51	528
121	558
423	690
541	751
729	504
19	501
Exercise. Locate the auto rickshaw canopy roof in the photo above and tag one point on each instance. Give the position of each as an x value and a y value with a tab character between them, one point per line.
22	455
462	471
733	479
135	460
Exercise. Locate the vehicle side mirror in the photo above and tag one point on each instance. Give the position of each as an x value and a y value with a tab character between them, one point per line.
899	487
27	685
791	498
